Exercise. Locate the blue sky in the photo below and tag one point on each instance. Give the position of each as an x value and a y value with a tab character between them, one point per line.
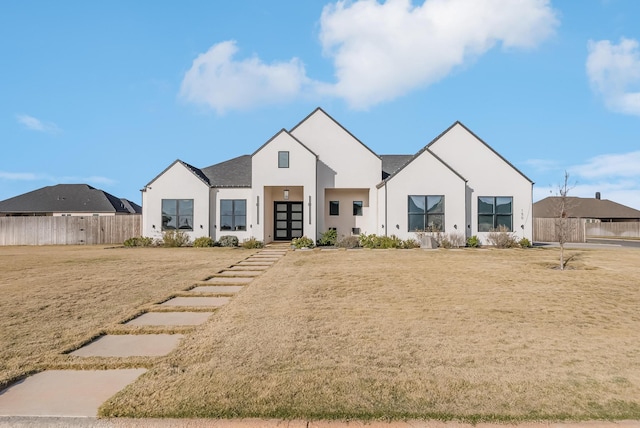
111	93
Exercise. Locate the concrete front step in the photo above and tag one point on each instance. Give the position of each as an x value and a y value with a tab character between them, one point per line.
239	273
69	393
170	318
130	345
223	289
248	267
213	302
229	280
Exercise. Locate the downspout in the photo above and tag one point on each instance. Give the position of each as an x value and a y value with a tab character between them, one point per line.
316	196
385	209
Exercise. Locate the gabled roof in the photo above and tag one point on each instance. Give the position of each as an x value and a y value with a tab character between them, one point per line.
289	134
584	208
235	172
195	171
457	122
317	110
132	207
66	198
392	163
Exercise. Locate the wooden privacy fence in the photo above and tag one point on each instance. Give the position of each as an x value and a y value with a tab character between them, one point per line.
69	230
544	230
614	230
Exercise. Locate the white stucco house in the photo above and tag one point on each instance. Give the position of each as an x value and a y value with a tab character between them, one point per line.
318	176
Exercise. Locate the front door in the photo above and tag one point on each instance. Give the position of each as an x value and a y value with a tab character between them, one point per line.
288	220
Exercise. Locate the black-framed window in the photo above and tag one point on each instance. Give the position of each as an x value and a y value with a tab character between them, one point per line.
283	159
233	214
334	207
357	208
426	213
177	214
495	211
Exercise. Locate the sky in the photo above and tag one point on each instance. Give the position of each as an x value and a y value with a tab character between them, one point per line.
111	93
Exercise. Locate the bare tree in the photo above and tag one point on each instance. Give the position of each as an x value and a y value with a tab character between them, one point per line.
563	224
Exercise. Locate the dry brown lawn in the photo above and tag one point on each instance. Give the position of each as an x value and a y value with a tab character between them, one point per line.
55	298
393	334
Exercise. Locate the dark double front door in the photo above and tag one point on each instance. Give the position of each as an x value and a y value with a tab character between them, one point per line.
287	220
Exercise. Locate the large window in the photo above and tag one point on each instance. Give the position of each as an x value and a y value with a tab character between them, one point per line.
233	214
357	208
426	213
283	159
177	214
334	207
493	212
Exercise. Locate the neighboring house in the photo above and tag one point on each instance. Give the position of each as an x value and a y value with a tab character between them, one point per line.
67	200
318	176
593	210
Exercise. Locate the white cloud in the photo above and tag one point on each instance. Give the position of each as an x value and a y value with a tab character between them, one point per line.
221	82
610	165
30	176
18	176
35	124
382	51
614	73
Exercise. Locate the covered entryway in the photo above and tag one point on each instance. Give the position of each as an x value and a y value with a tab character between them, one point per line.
288	220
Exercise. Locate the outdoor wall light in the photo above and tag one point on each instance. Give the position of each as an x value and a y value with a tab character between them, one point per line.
201	227
286	194
397	226
455	226
383	226
153	226
468	226
522	226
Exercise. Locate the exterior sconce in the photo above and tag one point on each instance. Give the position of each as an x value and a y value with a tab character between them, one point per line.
383	226
468	226
397	226
455	226
522	226
286	194
201	227
153	226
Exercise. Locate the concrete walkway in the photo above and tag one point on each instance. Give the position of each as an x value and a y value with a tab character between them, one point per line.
79	393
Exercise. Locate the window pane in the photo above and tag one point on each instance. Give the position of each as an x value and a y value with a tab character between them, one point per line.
504	220
226	207
169	206
185	207
436	222
281	224
281	233
281	207
283	159
168	222
281	216
296	216
296	225
295	233
416	222
240	207
485	223
357	207
503	205
334	208
416	204
240	222
226	222
186	222
435	204
296	208
485	205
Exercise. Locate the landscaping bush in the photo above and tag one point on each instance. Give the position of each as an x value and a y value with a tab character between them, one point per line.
203	242
252	243
328	238
139	241
502	238
473	241
228	241
375	241
175	238
456	239
302	242
410	243
524	243
349	242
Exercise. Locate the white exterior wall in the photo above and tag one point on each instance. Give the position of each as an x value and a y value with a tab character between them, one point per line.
345	222
267	180
232	193
487	175
177	182
425	175
344	162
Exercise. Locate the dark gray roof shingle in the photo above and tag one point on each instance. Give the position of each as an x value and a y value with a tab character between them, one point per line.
585	208
235	172
392	163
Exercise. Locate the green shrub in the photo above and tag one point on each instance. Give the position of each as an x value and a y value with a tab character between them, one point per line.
302	242
502	238
203	242
139	241
228	241
349	242
375	241
524	243
328	238
410	243
473	241
252	243
175	238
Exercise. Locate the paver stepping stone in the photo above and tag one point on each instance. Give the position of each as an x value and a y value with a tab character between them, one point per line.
197	301
249	267
262	259
229	280
77	393
130	345
170	318
228	272
227	289
254	263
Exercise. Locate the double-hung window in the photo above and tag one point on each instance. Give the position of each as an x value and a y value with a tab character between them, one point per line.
495	211
426	213
233	214
177	214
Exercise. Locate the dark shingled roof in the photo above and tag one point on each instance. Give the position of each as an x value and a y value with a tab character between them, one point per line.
66	198
603	209
392	163
235	172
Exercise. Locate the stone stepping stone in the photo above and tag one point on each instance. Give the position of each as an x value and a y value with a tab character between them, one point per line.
226	289
64	393
229	272
262	259
245	267
272	253
254	263
130	345
229	280
170	318
214	302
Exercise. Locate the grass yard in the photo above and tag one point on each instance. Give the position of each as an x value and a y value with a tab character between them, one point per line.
55	298
476	335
